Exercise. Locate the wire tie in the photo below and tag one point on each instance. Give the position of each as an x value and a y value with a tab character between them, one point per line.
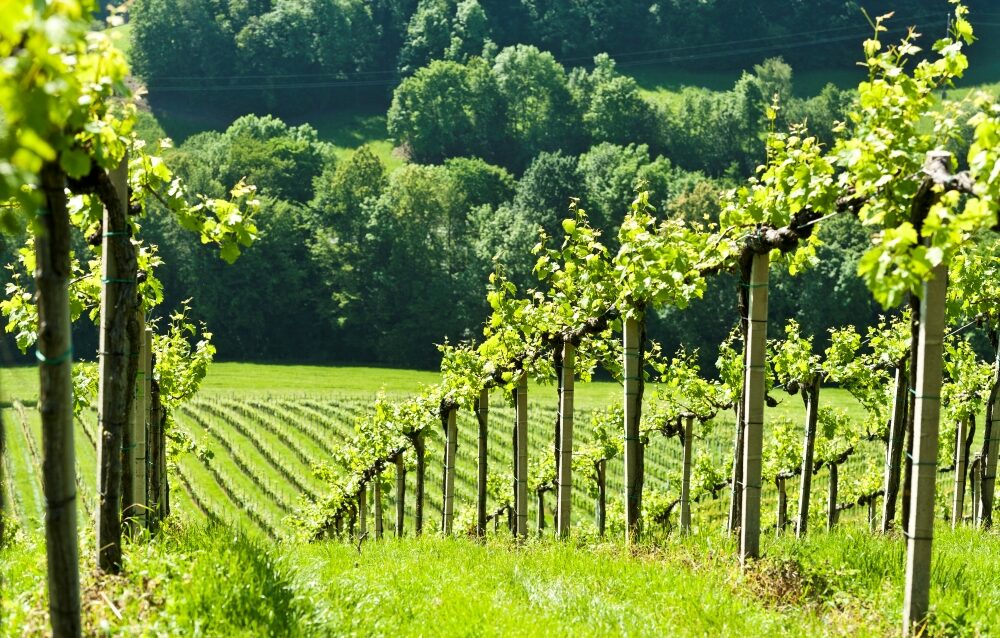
113	280
126	448
915	462
761	285
54	361
116	233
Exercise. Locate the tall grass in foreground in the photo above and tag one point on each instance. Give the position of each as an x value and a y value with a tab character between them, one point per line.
216	581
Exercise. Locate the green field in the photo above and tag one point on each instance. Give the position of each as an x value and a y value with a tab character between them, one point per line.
256	432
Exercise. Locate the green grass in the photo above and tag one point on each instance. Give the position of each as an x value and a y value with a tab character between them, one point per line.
216	581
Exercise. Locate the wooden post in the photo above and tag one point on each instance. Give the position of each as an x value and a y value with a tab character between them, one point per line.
4	506
925	447
118	300
155	453
991	446
449	470
975	468
808	450
482	418
164	476
601	511
686	475
779	482
418	506
540	515
521	461
55	404
831	510
564	480
894	453
134	511
633	371
400	494
958	497
362	511
753	412
377	502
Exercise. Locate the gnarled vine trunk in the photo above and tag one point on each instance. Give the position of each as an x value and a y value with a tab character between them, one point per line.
894	452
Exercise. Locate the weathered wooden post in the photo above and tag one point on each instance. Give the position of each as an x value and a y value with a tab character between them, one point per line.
632	371
686	475
925	447
418	506
779	482
377	502
991	447
451	448
135	452
808	452
362	511
521	460
975	468
894	453
564	480
55	403
831	510
118	299
753	438
601	511
400	494
958	497
482	418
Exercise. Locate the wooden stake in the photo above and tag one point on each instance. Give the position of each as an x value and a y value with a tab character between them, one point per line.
449	470
686	475
155	453
779	482
601	511
565	471
134	509
753	436
540	514
975	468
925	447
991	446
482	418
894	453
377	502
118	301
362	511
633	370
55	404
808	449
521	461
958	496
418	507
831	509
400	494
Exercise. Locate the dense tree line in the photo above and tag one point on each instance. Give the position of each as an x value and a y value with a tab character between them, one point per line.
266	53
509	108
358	264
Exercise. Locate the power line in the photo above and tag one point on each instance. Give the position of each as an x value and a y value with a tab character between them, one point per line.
775	41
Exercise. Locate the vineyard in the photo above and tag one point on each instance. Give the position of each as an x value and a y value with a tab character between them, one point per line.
837	473
253	459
